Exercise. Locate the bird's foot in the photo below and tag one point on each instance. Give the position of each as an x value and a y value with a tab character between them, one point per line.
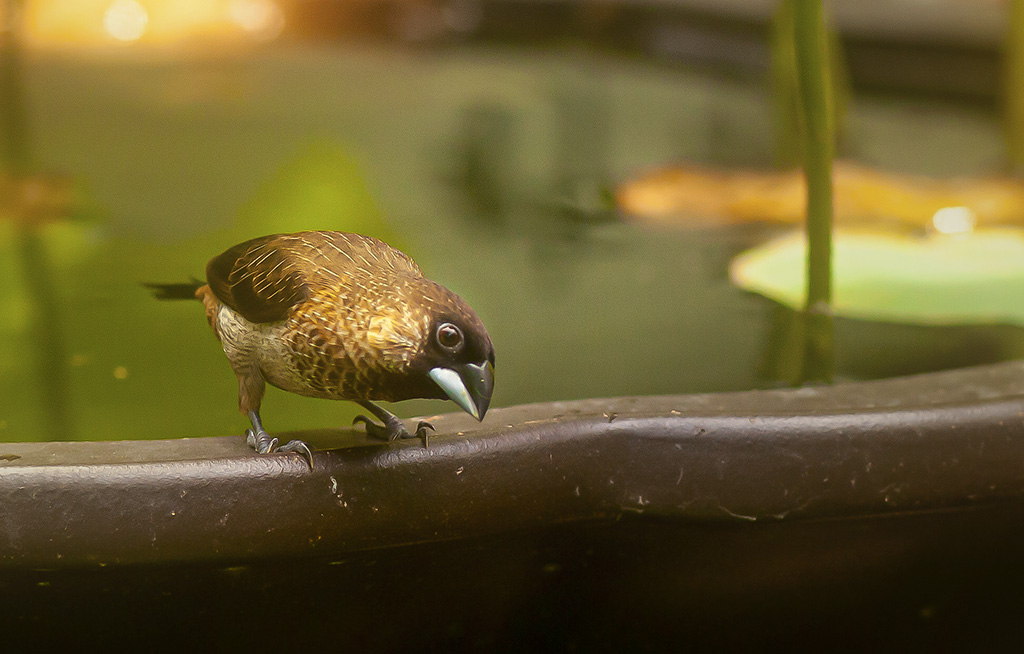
393	429
264	443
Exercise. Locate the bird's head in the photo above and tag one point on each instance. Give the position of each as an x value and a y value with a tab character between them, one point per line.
455	357
461	360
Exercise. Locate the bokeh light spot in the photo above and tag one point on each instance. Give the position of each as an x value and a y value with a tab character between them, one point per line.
125	20
262	19
954	220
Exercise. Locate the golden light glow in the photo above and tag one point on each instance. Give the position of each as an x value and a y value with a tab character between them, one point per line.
125	20
261	18
954	220
102	22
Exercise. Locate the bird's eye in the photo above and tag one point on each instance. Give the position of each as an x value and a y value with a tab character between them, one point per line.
449	336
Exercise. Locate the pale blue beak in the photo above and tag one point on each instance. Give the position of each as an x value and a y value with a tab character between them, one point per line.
469	385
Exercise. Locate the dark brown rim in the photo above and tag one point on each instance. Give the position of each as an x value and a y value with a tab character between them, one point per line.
936	442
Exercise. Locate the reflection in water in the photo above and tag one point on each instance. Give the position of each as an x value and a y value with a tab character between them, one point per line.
583	132
485	160
556	217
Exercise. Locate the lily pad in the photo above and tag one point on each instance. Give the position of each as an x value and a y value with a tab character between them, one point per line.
969	279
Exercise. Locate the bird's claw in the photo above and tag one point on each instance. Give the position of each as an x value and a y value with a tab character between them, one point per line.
260	441
421	431
393	430
264	443
298	447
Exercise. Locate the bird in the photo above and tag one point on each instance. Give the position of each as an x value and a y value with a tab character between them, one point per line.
338	315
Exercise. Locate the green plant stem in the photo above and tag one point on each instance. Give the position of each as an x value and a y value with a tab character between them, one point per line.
40	286
784	87
14	136
785	93
812	67
1014	80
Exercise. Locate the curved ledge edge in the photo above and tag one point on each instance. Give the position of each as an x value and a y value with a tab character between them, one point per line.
939	442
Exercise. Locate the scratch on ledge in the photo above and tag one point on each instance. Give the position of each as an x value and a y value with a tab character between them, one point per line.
782	514
751	518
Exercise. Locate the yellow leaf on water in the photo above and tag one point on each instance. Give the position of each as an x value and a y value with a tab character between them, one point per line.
678	195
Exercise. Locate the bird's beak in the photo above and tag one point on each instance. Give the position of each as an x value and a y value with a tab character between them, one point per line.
469	385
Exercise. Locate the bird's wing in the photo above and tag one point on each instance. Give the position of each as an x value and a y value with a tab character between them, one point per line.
263	279
343	252
258	279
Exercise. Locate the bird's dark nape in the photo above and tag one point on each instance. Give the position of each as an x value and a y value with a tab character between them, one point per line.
175	291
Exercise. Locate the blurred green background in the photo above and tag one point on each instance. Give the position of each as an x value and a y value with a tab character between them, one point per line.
489	157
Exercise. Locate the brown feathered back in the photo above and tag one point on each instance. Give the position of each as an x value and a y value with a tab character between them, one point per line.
263	279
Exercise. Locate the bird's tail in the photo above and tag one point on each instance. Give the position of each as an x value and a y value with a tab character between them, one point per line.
175	291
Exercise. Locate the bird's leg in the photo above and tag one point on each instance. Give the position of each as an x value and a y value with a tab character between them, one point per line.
257	437
259	440
392	428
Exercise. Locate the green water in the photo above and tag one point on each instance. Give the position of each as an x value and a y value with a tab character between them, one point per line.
487	165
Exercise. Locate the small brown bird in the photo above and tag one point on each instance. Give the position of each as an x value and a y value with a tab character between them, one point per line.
340	316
